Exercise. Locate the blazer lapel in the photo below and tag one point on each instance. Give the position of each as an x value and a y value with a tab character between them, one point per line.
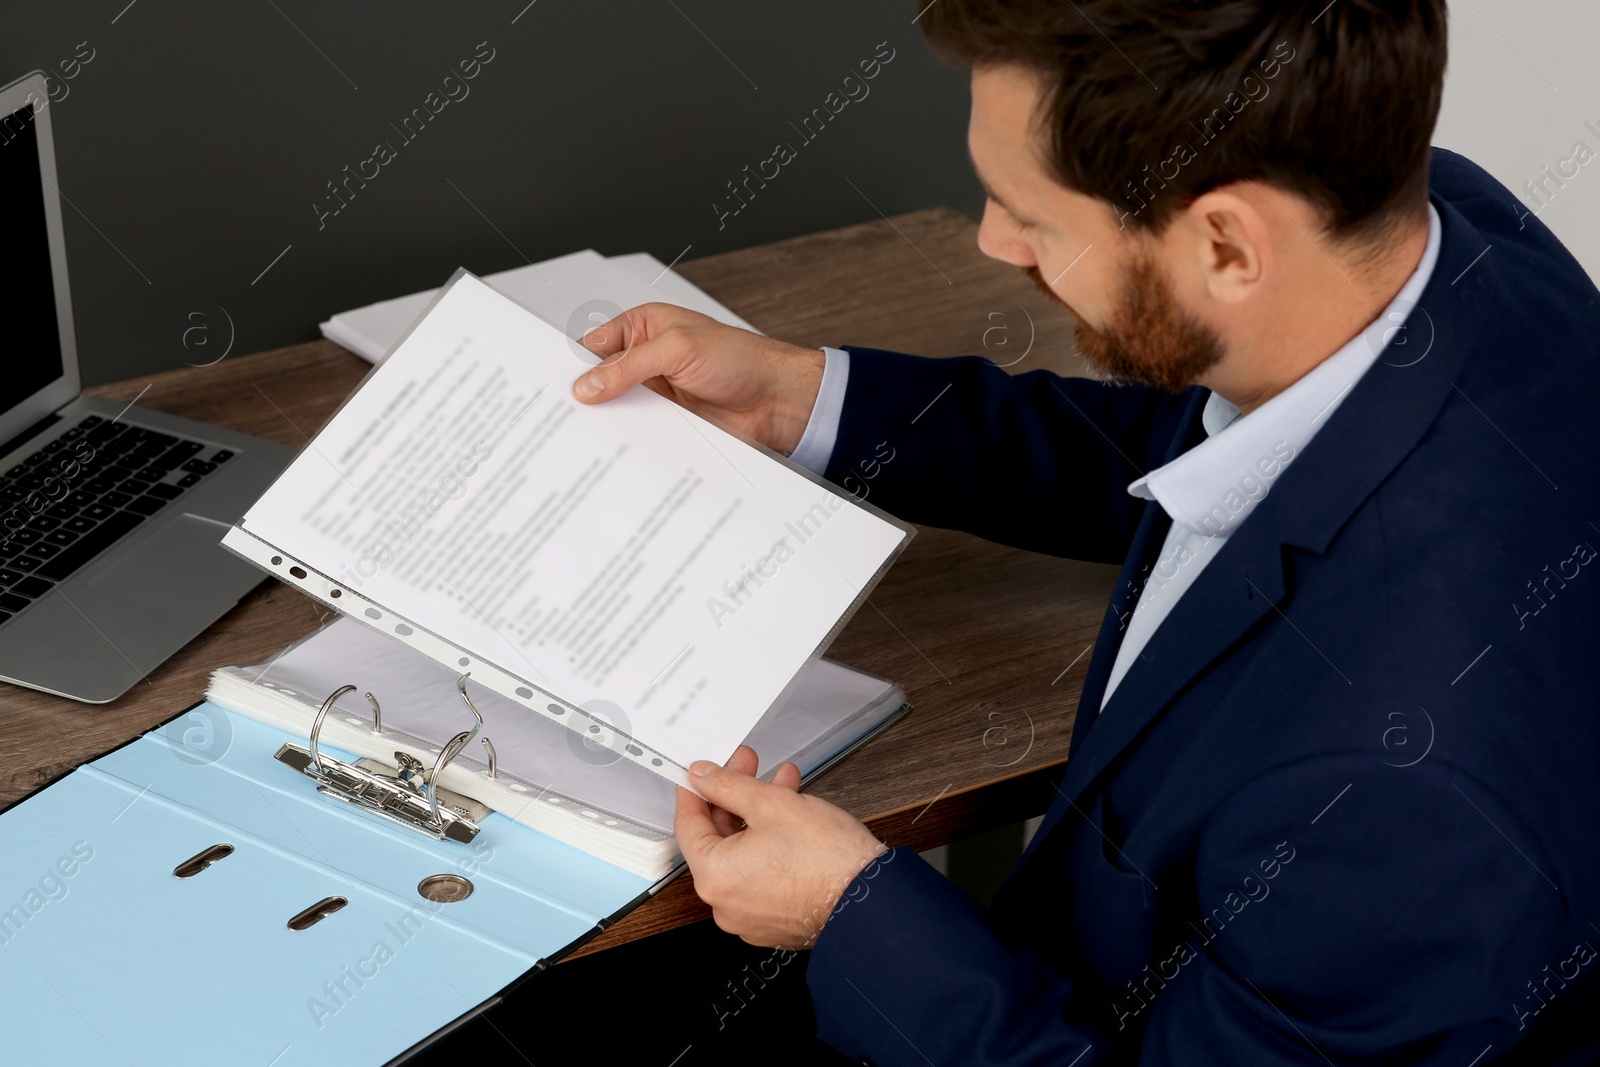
1244	582
1148	538
1147	542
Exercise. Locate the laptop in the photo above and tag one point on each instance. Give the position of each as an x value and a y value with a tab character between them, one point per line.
110	514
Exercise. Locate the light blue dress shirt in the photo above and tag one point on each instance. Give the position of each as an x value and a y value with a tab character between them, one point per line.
1212	488
816	444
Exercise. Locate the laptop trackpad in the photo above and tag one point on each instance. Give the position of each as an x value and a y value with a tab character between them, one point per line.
150	598
181	573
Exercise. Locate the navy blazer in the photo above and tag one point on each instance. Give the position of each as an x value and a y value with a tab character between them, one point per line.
1342	808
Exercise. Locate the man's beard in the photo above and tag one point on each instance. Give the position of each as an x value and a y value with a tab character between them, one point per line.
1150	339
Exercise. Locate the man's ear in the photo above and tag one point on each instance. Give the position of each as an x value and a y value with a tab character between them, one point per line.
1231	239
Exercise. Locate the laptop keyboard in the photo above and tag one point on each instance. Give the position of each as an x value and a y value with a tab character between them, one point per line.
82	493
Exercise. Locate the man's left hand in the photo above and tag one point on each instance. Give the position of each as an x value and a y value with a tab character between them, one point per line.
773	881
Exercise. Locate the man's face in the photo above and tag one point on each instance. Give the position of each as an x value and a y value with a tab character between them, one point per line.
1131	322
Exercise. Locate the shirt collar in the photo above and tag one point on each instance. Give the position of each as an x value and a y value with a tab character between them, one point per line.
1214	486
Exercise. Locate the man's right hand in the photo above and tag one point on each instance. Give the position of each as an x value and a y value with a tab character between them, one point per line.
759	386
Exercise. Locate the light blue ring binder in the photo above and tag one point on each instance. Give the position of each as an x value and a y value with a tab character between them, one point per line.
108	957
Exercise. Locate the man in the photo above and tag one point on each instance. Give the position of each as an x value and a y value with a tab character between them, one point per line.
1329	798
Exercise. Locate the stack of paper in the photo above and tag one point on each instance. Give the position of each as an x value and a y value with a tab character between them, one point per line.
547	777
575	293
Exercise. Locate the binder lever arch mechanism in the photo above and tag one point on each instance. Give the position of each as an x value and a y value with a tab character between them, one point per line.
406	793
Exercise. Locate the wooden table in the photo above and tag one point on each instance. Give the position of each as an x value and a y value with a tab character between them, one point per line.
989	643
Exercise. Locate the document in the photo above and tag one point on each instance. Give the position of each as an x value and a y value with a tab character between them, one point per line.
630	557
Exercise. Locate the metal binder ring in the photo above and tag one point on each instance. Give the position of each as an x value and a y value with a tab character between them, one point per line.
450	751
410	795
461	687
316	725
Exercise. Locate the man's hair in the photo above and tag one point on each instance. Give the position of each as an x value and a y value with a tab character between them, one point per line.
1149	104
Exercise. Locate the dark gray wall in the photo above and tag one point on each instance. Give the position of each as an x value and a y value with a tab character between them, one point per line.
196	141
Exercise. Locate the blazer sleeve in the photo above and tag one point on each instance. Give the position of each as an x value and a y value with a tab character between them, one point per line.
1397	925
1035	460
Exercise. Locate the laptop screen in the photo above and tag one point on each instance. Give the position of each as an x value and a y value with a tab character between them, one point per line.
34	342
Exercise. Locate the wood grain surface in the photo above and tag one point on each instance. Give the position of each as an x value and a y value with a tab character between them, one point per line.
990	643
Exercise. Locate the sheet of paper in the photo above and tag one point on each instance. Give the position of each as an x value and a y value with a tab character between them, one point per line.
673	287
576	292
629	557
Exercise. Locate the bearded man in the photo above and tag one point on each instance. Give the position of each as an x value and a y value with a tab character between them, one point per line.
1346	454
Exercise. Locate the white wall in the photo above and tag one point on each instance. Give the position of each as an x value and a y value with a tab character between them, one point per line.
1524	78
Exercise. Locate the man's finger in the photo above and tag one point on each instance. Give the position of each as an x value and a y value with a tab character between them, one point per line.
739	793
619	333
624	370
745	761
788	776
692	825
726	822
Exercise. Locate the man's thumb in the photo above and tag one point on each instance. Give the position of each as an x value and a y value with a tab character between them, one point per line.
729	790
620	372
